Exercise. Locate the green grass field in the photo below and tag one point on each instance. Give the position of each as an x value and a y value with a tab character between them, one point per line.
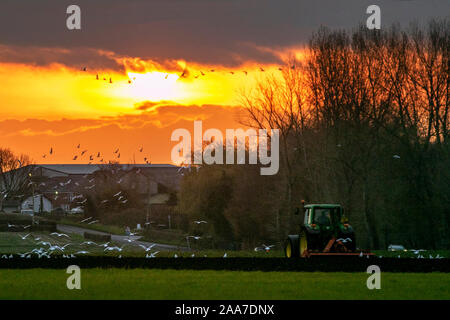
171	284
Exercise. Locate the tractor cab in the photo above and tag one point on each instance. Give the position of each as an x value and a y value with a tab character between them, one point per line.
324	218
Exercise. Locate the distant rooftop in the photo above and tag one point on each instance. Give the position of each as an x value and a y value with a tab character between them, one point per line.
91	168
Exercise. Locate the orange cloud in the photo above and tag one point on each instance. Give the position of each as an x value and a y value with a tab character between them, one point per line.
151	129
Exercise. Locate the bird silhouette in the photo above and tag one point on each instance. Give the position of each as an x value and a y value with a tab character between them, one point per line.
96	77
75	158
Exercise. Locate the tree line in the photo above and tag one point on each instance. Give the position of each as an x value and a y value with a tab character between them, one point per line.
363	119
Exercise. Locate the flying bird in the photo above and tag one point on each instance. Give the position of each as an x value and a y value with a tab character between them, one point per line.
152	255
24	237
147	248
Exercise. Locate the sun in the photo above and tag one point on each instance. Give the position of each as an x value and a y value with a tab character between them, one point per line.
155	86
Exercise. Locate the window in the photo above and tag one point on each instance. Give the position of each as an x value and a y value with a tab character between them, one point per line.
322	216
307	212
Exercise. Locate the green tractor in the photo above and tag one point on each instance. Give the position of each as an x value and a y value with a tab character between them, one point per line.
324	231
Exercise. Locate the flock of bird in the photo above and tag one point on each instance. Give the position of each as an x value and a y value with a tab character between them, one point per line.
46	248
97	155
184	74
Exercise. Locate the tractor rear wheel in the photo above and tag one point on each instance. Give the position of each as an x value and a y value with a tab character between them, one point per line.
291	247
303	247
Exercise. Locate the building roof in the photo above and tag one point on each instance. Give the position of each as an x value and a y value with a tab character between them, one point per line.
91	168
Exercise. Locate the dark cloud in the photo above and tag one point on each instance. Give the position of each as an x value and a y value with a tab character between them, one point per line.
75	57
208	31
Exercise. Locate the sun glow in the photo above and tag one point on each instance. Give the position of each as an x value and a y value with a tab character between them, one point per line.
155	86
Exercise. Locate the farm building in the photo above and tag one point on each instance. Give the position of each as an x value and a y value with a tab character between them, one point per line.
62	184
39	203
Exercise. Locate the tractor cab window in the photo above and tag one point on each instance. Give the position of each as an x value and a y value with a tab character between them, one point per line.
307	213
322	216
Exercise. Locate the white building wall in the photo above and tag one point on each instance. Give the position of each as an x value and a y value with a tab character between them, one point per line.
27	204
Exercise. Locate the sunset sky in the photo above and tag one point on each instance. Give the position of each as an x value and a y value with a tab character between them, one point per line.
48	101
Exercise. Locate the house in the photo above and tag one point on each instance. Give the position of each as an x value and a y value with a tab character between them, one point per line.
64	184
